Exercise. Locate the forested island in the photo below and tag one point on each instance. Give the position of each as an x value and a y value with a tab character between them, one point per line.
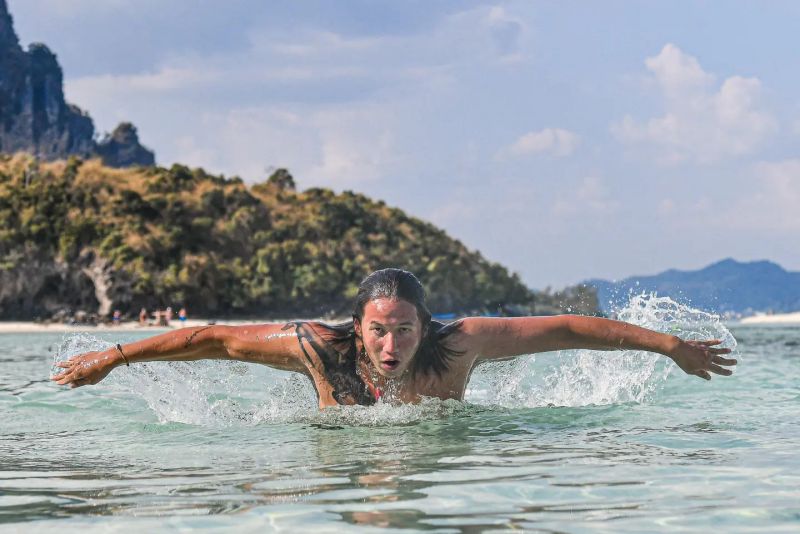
76	235
88	227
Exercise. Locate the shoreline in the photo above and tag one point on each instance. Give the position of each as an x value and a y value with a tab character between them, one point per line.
29	327
776	318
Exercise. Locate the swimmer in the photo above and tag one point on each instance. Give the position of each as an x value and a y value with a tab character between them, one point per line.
392	348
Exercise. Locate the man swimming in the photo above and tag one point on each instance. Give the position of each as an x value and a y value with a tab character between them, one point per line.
393	346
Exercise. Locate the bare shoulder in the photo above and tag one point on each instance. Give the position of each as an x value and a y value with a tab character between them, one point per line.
338	336
473	332
289	331
457	339
321	343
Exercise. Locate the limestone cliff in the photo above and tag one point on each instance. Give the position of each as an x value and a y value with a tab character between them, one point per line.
122	148
35	118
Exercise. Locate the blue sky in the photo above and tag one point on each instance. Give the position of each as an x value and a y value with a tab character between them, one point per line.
566	140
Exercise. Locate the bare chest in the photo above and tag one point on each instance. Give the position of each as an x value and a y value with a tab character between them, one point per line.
352	389
339	378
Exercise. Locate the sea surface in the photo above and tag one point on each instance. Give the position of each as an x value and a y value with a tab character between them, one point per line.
575	441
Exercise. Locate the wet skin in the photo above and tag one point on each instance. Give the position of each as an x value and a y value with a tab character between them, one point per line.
377	363
347	370
391	332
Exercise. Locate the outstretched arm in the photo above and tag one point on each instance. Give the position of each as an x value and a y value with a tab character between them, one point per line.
270	344
504	338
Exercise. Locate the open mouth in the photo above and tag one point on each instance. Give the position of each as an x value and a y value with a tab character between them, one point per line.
390	365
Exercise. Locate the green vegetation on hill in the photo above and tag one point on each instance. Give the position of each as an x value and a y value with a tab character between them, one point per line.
79	235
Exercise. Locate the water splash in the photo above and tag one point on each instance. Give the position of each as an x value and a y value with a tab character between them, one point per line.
221	393
586	377
76	344
225	393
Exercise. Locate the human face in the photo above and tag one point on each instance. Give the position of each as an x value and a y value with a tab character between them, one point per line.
391	332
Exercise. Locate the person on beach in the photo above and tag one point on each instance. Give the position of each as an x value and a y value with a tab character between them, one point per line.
393	348
160	318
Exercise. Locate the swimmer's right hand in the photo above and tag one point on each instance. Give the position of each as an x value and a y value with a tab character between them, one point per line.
87	368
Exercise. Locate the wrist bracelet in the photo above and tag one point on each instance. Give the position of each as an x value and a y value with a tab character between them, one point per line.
119	348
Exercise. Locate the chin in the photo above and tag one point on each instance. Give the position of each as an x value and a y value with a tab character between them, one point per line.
392	373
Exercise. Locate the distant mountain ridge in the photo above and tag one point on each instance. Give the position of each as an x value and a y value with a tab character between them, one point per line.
35	118
727	286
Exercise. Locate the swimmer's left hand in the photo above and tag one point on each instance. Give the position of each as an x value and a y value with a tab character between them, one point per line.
85	369
701	358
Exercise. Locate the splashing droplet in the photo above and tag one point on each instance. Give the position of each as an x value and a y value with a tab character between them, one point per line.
585	377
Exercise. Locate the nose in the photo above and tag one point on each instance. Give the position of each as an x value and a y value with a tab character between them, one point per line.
389	343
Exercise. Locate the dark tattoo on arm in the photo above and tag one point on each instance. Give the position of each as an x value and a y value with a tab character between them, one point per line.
305	333
338	366
191	337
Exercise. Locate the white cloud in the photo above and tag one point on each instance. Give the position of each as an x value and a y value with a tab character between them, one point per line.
700	123
80	7
340	149
353	100
354	149
452	212
167	79
677	73
773	206
470	38
243	141
764	204
506	34
554	141
591	197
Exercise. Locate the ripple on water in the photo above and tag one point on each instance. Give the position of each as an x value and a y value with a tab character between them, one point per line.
165	442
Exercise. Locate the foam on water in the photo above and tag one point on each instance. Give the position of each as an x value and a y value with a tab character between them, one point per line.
587	377
219	393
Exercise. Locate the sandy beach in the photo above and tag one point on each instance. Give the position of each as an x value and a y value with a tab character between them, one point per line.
777	318
19	327
13	327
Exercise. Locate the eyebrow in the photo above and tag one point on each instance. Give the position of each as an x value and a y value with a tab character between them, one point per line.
406	323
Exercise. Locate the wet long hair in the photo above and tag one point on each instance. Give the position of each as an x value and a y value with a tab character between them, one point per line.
432	355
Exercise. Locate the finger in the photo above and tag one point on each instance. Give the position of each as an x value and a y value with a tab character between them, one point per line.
719	370
64	364
720	350
703	374
724	361
79	383
66	379
709	342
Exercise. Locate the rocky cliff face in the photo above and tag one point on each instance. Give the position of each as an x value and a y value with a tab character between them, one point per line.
122	148
40	285
35	118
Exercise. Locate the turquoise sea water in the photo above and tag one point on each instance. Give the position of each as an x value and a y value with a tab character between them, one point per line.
567	442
